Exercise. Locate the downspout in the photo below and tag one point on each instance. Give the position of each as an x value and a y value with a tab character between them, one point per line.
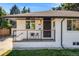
62	34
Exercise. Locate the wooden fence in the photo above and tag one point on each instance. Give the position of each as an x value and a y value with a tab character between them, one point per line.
4	32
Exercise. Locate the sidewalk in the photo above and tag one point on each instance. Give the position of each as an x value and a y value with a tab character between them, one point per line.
6	45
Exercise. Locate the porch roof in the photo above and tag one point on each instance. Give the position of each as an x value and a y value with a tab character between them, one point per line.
55	13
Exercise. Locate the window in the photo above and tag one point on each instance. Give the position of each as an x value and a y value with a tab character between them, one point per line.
27	24
30	24
72	24
13	24
69	24
54	24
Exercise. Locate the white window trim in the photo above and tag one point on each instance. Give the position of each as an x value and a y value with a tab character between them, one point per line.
72	29
30	24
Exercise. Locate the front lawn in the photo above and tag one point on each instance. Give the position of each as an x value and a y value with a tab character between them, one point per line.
45	52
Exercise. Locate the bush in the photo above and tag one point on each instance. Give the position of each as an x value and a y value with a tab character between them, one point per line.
4	23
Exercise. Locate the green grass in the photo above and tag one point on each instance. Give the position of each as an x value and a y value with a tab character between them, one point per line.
45	52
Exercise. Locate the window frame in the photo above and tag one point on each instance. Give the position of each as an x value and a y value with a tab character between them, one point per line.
31	25
72	24
14	24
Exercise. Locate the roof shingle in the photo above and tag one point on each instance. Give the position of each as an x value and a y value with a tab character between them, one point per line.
55	13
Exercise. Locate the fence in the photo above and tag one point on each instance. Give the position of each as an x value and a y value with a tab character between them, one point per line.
4	32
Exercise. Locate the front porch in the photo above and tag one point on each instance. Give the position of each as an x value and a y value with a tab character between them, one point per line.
34	29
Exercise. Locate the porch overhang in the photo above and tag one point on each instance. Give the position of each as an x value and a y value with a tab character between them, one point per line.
52	14
38	17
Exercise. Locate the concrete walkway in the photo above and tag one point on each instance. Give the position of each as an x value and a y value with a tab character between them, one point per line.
2	38
6	45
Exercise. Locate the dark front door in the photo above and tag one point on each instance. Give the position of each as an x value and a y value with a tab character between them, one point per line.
47	27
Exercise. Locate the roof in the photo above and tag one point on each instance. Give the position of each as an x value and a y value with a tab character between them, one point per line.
55	13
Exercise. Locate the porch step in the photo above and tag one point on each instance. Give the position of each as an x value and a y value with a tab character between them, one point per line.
34	40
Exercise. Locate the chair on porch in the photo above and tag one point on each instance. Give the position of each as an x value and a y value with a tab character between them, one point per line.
35	35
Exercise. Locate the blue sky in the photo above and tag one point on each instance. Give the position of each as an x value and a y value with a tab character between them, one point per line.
33	6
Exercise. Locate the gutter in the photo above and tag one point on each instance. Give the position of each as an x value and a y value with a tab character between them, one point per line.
62	34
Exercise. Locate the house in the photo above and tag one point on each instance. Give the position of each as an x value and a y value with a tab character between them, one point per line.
46	29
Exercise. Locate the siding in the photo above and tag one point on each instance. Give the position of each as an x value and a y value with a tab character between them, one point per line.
69	37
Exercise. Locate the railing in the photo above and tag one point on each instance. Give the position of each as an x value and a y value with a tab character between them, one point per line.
31	34
6	46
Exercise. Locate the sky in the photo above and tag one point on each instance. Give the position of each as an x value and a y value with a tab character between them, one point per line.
34	7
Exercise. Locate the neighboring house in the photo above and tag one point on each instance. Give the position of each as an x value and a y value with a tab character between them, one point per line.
46	29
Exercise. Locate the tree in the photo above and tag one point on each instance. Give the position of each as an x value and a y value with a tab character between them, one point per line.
24	10
68	6
57	8
2	11
14	10
3	22
28	10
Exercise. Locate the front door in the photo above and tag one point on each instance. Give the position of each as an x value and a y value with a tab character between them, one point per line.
47	27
